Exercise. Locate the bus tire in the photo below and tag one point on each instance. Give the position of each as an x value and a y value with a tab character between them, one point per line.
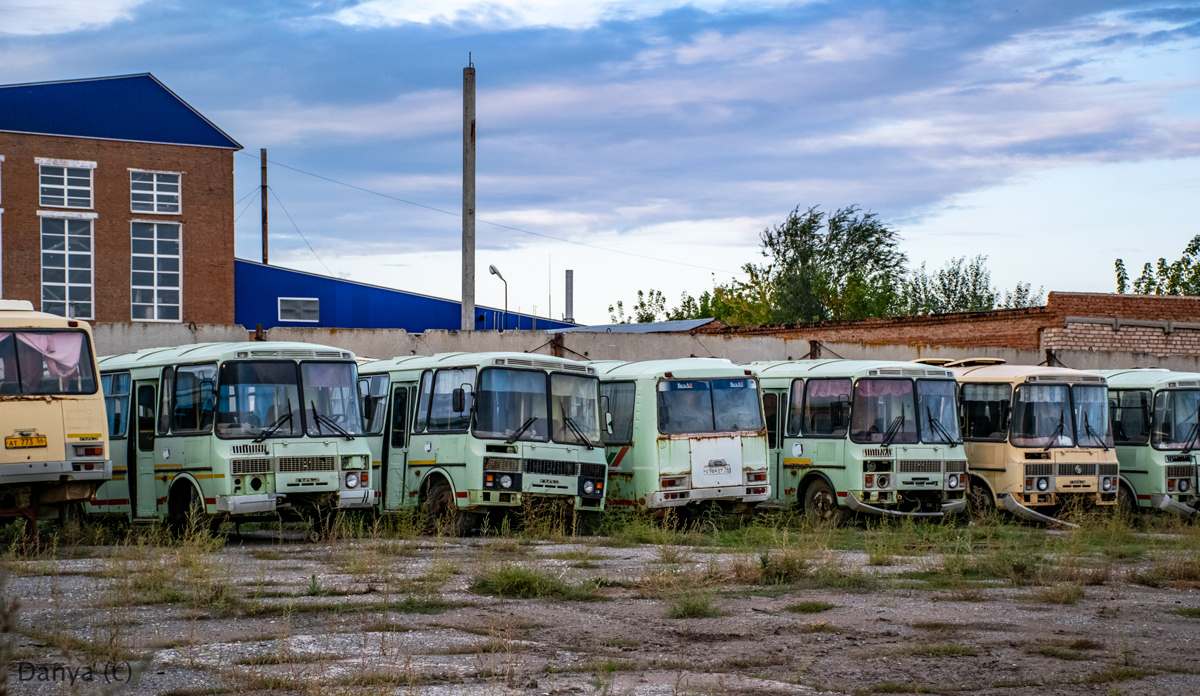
980	500
443	513
1127	504
183	502
821	500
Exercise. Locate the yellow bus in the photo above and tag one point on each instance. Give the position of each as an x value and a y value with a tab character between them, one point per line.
52	419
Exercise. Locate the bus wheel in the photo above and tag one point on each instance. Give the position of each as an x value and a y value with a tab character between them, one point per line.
443	513
820	500
184	507
980	502
1127	505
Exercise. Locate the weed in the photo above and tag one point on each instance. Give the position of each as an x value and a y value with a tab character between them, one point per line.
818	627
890	687
1190	612
810	607
1116	673
1061	593
944	650
525	583
692	605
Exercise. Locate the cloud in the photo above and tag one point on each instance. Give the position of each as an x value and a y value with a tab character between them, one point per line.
26	17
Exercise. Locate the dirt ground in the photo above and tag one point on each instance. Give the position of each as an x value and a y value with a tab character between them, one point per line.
411	616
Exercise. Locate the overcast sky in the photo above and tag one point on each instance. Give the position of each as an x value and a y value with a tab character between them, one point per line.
1053	137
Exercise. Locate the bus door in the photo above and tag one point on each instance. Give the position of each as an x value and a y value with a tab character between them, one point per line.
143	493
773	402
395	458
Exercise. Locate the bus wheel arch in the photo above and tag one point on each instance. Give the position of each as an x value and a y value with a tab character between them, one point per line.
819	496
183	497
439	504
980	496
1127	500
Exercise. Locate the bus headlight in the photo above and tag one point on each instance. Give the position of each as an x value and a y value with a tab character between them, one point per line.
352	481
506	481
1107	484
952	481
1184	485
589	488
1043	484
882	481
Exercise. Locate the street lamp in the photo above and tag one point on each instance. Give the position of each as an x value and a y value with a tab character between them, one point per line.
494	271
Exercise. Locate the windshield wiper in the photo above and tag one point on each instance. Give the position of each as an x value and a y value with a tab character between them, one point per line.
1087	428
270	429
940	429
893	430
524	426
578	431
328	421
1190	442
1057	431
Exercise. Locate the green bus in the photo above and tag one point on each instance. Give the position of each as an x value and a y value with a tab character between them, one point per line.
683	431
1154	425
234	429
876	437
462	434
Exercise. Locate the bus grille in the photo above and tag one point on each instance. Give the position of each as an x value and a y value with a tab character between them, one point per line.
291	465
874	452
1177	471
1085	469
1109	469
920	466
959	467
248	449
501	464
592	470
250	466
550	467
1039	469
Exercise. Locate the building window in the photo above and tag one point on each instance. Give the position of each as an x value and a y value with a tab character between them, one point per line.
65	183
154	192
154	279
67	267
299	309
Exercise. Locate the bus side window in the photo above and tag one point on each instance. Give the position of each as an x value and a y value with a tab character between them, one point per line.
985	411
145	418
194	399
827	407
771	413
617	397
165	407
399	416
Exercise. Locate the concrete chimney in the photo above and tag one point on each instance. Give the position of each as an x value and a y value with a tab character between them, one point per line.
570	317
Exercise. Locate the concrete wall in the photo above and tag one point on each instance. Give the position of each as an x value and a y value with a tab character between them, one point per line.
385	343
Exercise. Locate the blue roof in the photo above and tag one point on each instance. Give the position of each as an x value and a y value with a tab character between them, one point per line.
647	327
127	107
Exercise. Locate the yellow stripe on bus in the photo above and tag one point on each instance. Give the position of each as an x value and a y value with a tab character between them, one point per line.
797	462
94	436
423	462
208	476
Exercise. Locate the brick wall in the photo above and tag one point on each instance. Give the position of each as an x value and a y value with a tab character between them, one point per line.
206	219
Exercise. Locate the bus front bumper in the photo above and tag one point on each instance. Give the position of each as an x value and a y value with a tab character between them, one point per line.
356	499
737	494
1015	507
248	504
1166	502
949	508
53	472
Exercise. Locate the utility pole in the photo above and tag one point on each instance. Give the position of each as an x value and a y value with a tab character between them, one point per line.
570	317
263	195
468	211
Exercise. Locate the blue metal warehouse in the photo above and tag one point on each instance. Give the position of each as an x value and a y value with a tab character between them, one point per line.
274	296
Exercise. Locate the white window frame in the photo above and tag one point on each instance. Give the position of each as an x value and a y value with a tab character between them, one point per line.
64	165
156	256
155	192
66	284
279	310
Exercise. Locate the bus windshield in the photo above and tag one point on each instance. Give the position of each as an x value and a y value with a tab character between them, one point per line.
45	362
574	409
258	396
512	402
883	412
1091	416
705	406
1042	416
1176	414
330	399
937	412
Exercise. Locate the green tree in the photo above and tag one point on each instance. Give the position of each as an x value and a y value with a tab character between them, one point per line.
959	286
1180	277
650	306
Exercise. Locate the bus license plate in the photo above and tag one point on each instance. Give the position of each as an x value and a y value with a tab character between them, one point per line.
18	442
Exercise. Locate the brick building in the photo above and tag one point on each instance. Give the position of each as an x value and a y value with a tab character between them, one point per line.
1152	324
116	202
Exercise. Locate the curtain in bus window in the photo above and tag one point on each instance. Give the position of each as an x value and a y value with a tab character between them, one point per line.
61	350
573	409
1042	416
685	407
116	402
827	407
330	398
618	399
1091	416
985	411
795	408
735	404
1130	412
507	400
883	405
53	363
194	398
442	416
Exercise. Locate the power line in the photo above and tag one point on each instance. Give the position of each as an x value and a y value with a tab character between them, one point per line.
497	224
239	215
289	217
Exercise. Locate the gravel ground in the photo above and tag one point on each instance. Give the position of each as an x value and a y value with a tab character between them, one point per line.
379	616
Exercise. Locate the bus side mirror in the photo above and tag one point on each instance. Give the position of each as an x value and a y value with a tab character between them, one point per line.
608	422
459	400
369	406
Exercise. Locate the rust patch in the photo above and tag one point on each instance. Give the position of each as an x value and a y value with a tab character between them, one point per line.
412	494
48	398
620	474
789	491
